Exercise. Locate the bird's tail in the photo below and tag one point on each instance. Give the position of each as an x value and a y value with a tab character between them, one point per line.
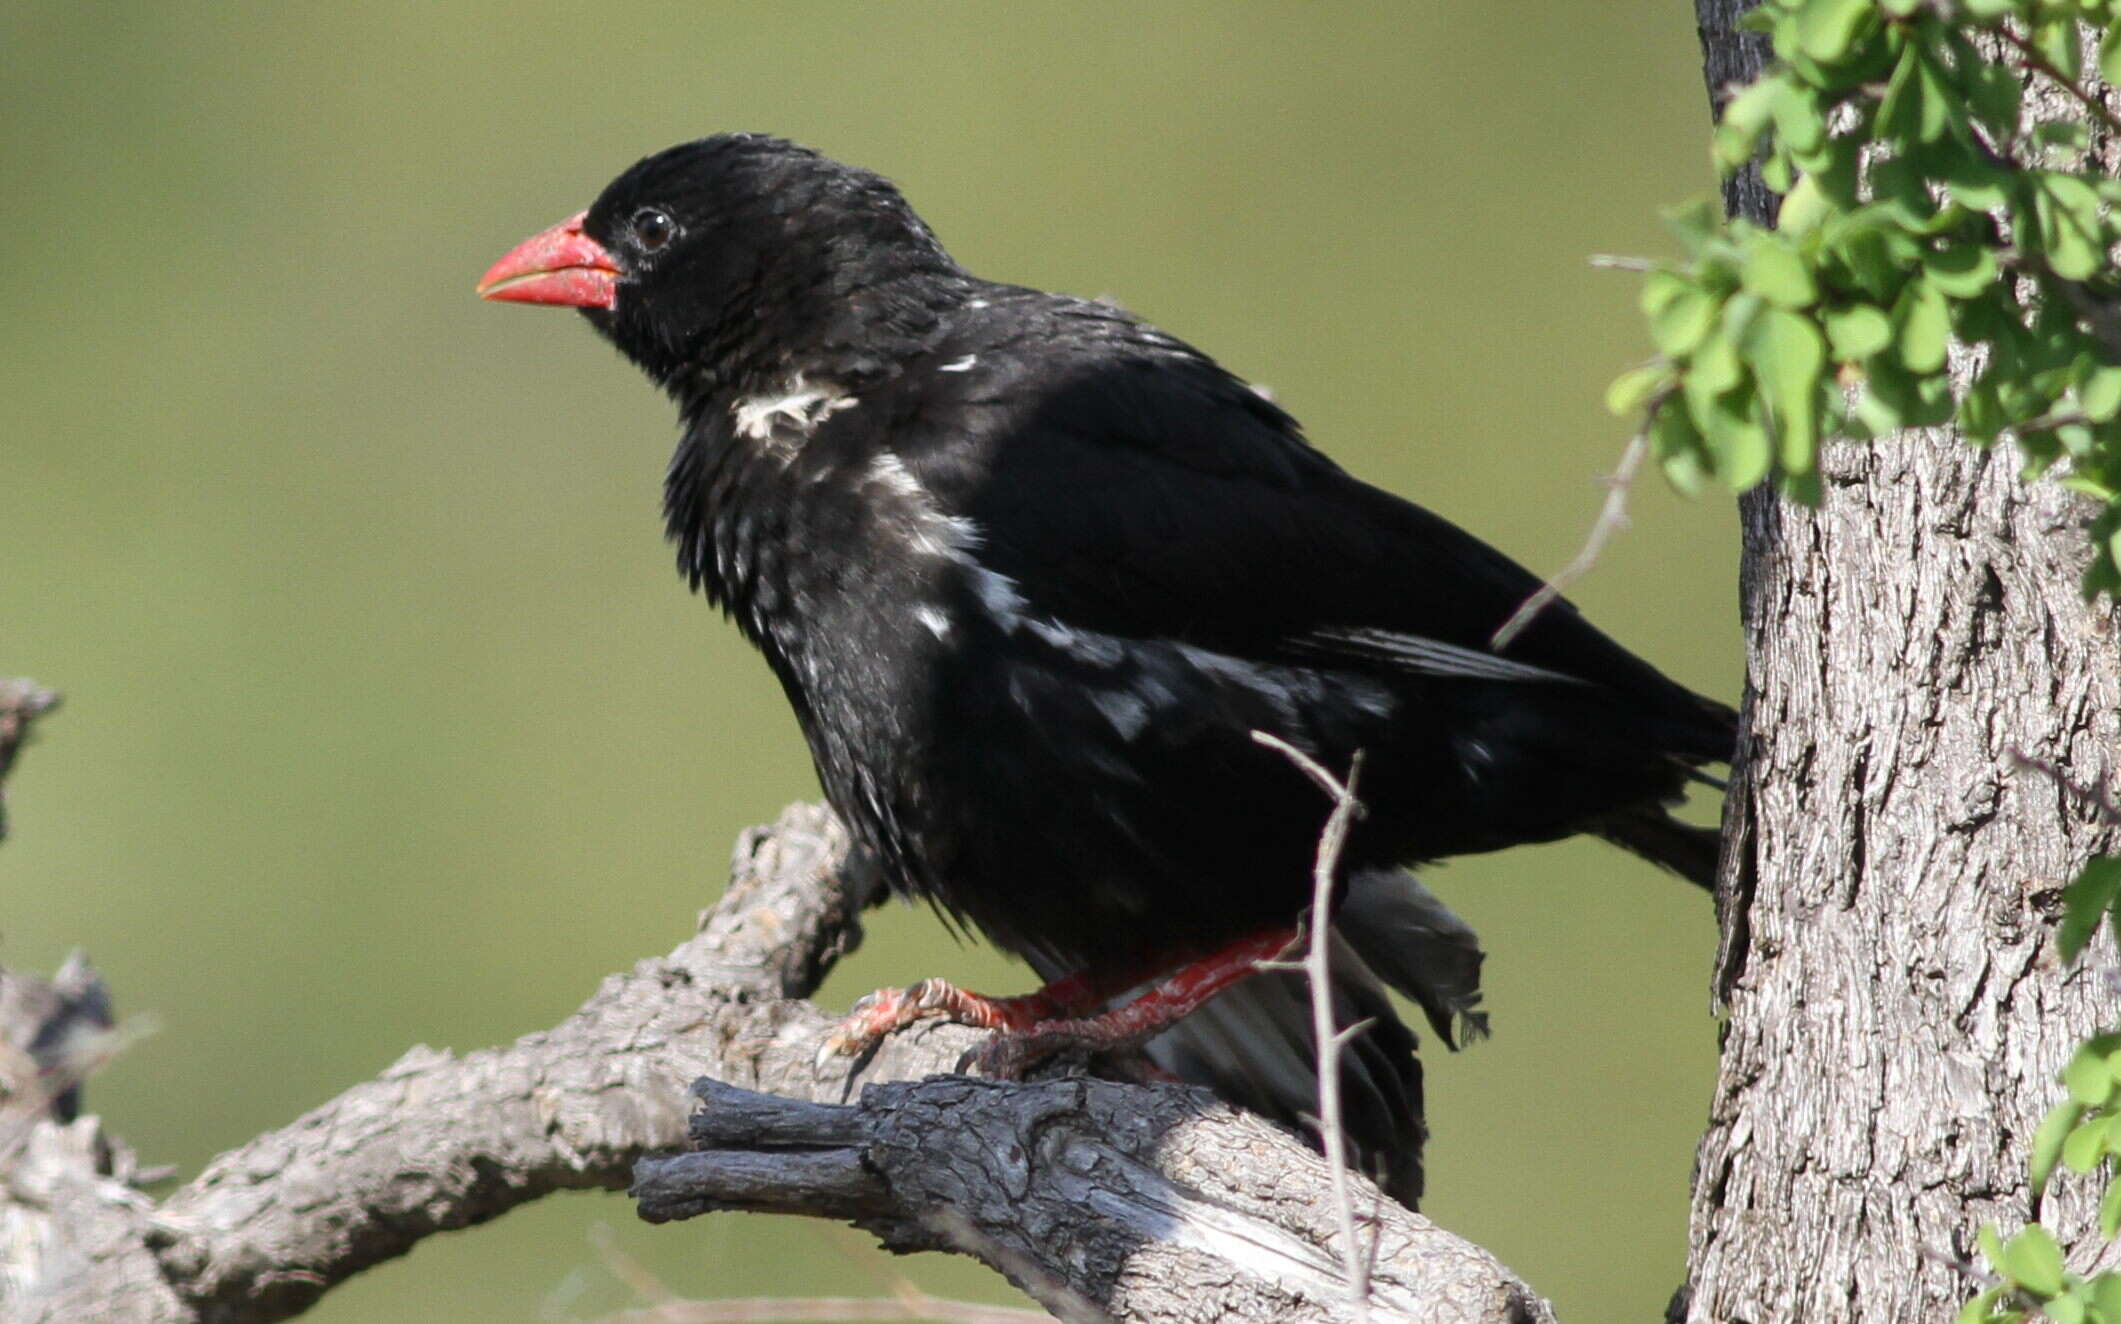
1649	831
1253	1044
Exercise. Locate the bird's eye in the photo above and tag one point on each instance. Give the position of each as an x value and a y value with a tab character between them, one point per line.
653	229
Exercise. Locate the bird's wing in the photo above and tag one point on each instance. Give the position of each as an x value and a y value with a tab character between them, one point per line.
1152	495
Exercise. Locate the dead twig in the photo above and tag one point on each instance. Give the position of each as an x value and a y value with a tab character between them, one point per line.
1331	1039
1612	517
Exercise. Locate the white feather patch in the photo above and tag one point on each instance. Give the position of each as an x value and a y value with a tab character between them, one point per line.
932	617
799	408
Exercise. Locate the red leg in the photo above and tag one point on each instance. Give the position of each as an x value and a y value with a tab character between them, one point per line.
1142	1017
891	1009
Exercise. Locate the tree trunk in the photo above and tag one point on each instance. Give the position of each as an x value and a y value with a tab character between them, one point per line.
1897	1014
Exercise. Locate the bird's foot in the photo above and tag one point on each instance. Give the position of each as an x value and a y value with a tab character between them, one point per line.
1017	1049
889	1010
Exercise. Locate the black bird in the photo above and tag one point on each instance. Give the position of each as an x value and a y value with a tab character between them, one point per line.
1032	573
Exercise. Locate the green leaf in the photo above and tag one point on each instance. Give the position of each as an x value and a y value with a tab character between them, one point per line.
1900	111
1777	172
1777	274
2056	38
1961	271
2090	1083
1680	312
1787	355
1991	317
1973	181
1869	259
1678	448
2110	70
1633	389
1693	224
1902	191
2099	394
1738	313
1857	331
1803	489
1713	370
1803	208
1837	165
1924	323
1895	398
1996	96
1732	433
2064	1310
2064	135
2067	214
2034	1261
1981	414
1745	118
2106	1287
1980	1309
1800	118
1991	1244
2085	1147
2085	902
2047	1142
1827	28
1940	111
1989	10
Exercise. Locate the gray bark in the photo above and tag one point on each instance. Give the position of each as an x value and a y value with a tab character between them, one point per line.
1137	1202
1100	1199
1891	876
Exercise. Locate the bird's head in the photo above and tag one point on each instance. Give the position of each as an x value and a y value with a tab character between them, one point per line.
729	256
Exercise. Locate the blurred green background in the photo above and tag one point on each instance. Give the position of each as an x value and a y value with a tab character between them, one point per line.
387	719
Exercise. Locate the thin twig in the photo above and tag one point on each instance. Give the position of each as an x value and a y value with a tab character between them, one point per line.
1331	1040
2035	60
1612	517
2060	418
88	1050
1615	262
639	1277
2098	797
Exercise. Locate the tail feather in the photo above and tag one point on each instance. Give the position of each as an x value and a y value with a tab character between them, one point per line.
1689	851
1413	941
1253	1044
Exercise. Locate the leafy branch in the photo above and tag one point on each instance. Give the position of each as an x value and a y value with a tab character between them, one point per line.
1923	205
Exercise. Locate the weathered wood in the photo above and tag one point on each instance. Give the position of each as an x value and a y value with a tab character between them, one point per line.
442	1141
1102	1200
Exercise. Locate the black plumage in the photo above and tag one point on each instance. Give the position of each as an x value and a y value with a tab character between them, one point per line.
1032	572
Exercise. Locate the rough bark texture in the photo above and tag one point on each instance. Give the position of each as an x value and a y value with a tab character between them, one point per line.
1198	1212
1137	1202
1896	1013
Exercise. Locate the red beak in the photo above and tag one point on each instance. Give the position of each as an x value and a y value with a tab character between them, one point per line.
559	266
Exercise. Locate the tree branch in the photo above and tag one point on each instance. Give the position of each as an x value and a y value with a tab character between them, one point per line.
1128	1201
1139	1199
22	702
